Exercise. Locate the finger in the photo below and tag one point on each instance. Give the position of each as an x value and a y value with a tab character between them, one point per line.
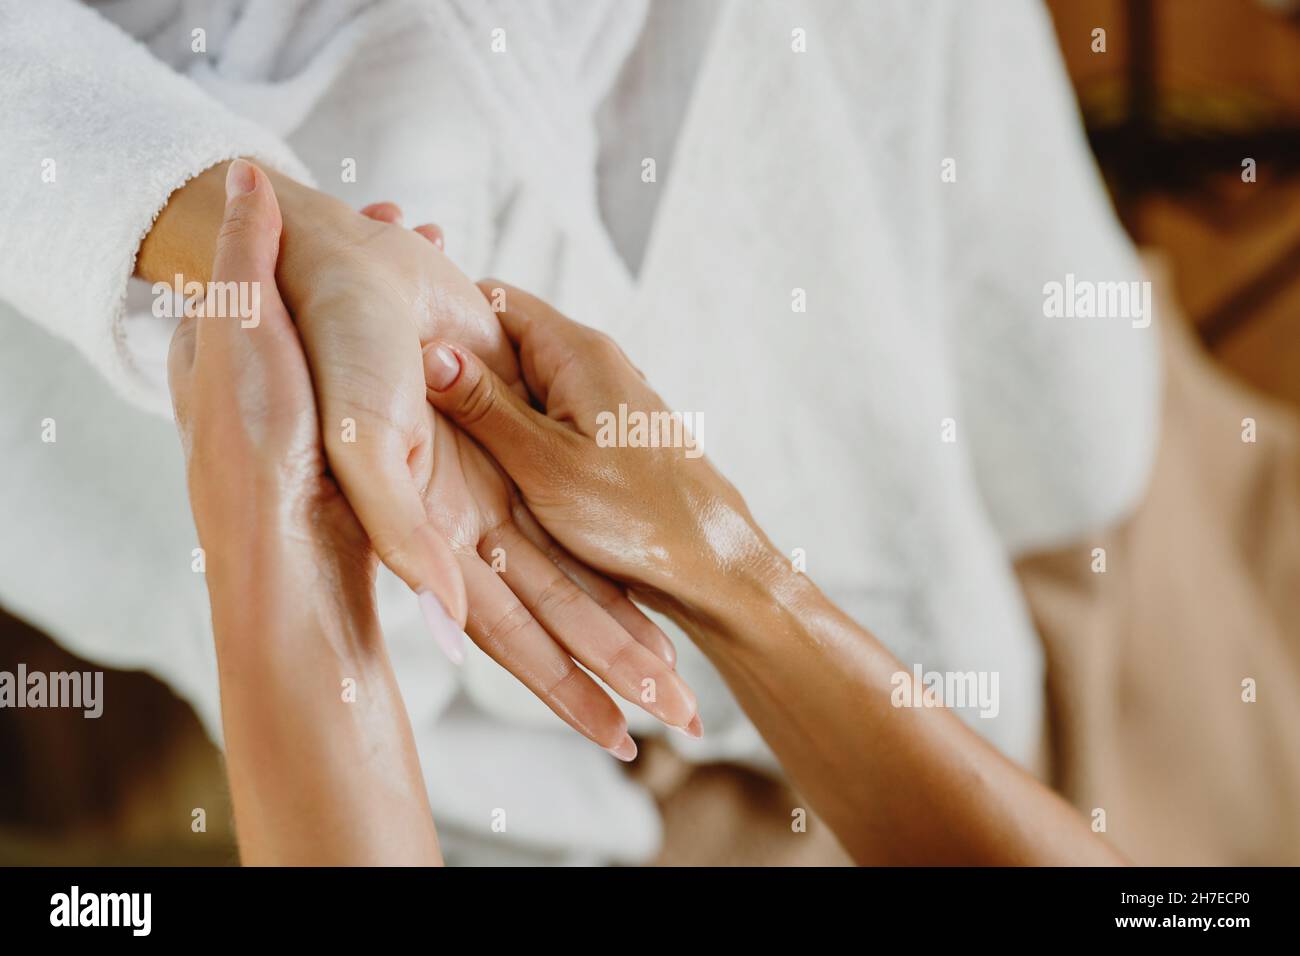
545	339
433	233
391	212
248	244
579	624
383	212
609	595
469	393
371	468
573	370
243	291
506	632
519	310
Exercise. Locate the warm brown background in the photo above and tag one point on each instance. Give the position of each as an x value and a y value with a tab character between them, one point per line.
1185	91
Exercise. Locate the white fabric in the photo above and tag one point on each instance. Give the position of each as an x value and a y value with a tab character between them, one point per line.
816	170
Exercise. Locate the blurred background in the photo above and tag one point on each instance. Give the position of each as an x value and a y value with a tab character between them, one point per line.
1185	91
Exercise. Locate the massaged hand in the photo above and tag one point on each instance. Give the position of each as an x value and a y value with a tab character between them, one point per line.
365	293
530	617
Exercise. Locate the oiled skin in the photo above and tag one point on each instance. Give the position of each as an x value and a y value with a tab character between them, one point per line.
322	764
896	785
364	293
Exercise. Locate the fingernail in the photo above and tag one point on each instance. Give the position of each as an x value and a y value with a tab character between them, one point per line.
240	179
441	368
694	730
625	750
448	636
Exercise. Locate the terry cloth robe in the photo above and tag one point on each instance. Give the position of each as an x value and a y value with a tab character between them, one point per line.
840	265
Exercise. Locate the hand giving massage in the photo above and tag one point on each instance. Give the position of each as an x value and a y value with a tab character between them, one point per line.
380	410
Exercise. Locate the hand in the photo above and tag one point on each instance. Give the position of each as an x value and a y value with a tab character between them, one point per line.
896	786
658	518
320	754
464	507
364	293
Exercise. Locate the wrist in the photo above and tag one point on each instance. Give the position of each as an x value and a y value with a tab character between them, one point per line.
274	565
758	584
183	238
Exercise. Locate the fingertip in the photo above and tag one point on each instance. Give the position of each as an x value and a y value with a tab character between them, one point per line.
694	730
248	244
432	232
624	750
678	705
443	365
383	212
241	179
647	633
447	633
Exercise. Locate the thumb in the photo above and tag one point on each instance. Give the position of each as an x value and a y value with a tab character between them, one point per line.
243	273
460	386
248	244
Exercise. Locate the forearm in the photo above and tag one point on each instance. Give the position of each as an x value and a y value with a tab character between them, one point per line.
896	785
321	760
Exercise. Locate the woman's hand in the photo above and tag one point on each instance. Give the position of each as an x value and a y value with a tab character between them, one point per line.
524	609
895	784
661	519
363	292
320	755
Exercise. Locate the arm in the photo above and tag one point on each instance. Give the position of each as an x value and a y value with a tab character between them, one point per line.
319	751
896	785
321	759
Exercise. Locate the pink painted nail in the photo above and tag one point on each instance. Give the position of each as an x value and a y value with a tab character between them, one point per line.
625	750
449	637
694	730
441	368
240	179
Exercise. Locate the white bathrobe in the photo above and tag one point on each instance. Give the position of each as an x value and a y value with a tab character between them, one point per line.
839	262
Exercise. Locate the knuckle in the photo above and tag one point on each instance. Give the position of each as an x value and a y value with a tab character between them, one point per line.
236	228
561	593
390	545
498	634
479	402
555	688
625	650
603	345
